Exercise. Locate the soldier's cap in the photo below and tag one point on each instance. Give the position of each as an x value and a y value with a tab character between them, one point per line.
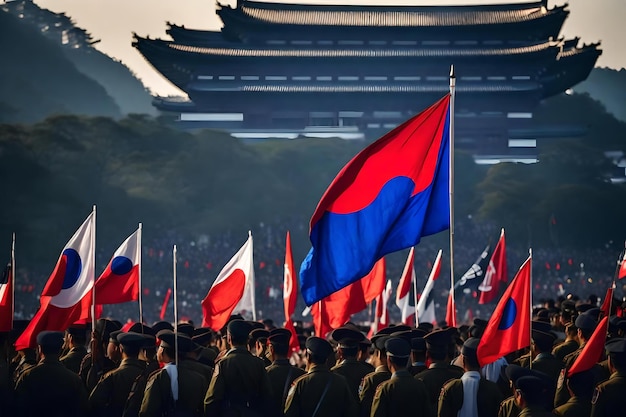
568	306
387	331
141	328
106	326
581	308
131	340
427	327
543	337
397	328
77	330
50	339
379	341
239	328
256	325
202	335
168	340
418	333
438	339
470	348
257	334
543	315
406	335
186	329
347	337
318	346
616	346
398	347
621	324
279	336
162	325
586	322
418	344
478	322
113	337
542	326
149	341
533	388
515	372
365	342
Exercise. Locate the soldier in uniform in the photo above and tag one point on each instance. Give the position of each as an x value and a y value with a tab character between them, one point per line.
320	393
510	407
440	371
49	388
135	396
349	367
96	363
418	355
203	337
370	382
257	345
469	395
175	387
581	386
568	346
530	396
401	395
280	373
76	338
609	398
109	396
543	360
239	380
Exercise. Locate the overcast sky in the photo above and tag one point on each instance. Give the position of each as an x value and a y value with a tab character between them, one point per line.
113	21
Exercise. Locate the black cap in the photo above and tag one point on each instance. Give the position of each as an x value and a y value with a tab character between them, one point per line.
406	335
478	322
131	340
50	339
257	334
586	322
594	312
543	338
113	337
543	315
185	344
239	328
202	335
186	328
347	337
256	325
428	327
616	346
581	308
162	325
438	339
418	344
279	336
379	341
470	348
533	388
104	327
418	333
542	326
77	330
149	341
515	372
398	347
141	328
388	330
319	347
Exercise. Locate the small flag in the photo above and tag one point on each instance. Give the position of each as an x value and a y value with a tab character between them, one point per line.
6	299
290	294
404	293
495	274
474	276
426	305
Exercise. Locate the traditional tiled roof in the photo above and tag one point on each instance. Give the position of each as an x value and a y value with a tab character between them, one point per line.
389	16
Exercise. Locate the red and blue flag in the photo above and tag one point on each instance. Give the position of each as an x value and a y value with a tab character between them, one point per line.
384	200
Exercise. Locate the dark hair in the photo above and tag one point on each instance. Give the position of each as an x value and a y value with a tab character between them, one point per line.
316	359
399	362
437	354
280	349
350	352
132	351
239	340
618	360
50	349
586	333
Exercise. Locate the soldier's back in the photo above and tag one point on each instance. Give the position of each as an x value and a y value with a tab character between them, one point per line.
109	396
280	375
574	407
435	377
354	371
401	395
609	398
73	359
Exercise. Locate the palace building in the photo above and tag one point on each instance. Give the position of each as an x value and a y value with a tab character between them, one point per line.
288	70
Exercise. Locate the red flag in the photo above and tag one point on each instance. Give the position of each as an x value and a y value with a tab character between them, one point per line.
403	293
381	316
495	274
592	351
451	312
233	289
606	305
290	294
508	328
166	301
6	299
426	305
119	283
66	298
335	310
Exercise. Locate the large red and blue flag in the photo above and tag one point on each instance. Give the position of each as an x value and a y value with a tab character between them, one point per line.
385	199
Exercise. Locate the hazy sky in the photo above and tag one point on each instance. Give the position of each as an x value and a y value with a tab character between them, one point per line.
113	21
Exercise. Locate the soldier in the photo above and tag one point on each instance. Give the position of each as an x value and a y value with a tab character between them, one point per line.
176	388
280	373
401	395
370	382
469	395
96	363
530	396
580	386
440	371
543	360
609	398
320	393
109	396
418	355
349	367
510	407
76	338
49	388
147	354
569	345
257	345
239	381
203	337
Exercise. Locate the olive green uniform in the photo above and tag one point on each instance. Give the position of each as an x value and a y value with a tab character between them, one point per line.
321	390
239	381
108	398
368	388
74	358
549	365
509	408
574	407
609	398
435	377
158	398
50	389
205	370
488	399
564	349
535	412
90	372
280	375
354	371
401	396
562	394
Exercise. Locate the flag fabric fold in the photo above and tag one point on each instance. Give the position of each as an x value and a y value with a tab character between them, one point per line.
451	312
385	199
119	283
495	274
474	276
232	290
290	294
404	295
605	309
381	314
6	299
425	304
508	328
593	349
67	295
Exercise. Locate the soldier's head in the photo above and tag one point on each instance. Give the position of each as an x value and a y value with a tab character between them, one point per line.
317	350
113	348
586	324
50	343
581	384
380	352
131	344
76	336
469	356
616	350
238	331
257	341
348	340
169	342
398	353
278	343
437	345
542	342
531	391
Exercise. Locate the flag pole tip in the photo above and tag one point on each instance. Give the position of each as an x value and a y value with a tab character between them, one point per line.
452	74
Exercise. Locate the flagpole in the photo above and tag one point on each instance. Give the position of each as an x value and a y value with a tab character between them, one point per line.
451	182
530	290
93	278
252	290
415	300
139	296
12	279
175	308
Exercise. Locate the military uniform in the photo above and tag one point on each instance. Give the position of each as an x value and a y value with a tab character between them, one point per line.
354	371
549	365
509	408
368	386
451	400
280	375
564	349
73	359
322	393
574	407
401	395
609	398
536	411
436	376
109	396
